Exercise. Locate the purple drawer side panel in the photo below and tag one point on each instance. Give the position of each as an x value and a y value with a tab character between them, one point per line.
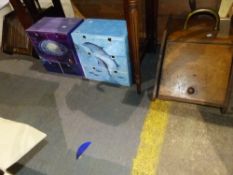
55	25
51	38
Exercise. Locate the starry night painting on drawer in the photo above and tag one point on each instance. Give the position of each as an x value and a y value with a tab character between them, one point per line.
102	48
51	38
52	66
57	67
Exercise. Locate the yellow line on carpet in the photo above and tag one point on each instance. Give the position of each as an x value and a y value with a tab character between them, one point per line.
151	139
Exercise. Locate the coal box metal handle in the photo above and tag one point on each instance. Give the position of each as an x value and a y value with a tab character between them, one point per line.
205	12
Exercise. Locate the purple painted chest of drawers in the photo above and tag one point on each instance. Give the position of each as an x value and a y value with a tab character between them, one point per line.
51	38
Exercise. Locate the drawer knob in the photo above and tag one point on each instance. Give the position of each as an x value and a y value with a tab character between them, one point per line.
191	90
70	61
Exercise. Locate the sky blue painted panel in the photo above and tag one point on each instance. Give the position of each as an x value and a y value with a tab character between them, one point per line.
86	57
103	45
104	27
100	74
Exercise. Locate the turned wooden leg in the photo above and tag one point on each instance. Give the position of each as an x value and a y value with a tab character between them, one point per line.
131	13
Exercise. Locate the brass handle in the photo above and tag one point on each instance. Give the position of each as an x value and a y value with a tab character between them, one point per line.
203	11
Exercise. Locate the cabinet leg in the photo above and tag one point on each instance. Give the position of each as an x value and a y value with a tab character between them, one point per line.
151	10
131	14
138	85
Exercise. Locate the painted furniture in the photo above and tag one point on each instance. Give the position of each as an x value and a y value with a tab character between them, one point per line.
102	48
140	17
51	38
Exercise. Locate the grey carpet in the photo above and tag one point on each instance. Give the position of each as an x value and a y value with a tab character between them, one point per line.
198	140
71	111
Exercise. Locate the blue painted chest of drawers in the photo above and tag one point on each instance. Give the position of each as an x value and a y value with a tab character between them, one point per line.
103	51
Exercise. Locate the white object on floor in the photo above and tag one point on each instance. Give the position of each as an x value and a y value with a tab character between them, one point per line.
16	140
7	173
3	3
5	8
66	4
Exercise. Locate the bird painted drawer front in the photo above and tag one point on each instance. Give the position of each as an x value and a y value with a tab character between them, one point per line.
103	45
115	63
101	74
61	67
52	40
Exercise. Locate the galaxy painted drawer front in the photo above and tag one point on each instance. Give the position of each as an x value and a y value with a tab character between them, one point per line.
101	74
103	44
71	69
61	67
51	38
52	66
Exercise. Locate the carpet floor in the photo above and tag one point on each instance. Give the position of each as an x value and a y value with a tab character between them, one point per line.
129	134
71	111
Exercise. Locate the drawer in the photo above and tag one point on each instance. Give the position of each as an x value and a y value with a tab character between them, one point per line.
72	69
63	68
101	74
52	66
117	63
53	47
108	34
